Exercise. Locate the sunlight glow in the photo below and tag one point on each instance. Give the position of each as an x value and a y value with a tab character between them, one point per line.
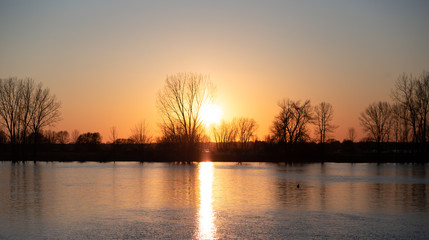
207	228
211	113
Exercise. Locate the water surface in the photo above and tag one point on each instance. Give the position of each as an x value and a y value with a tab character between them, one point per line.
213	200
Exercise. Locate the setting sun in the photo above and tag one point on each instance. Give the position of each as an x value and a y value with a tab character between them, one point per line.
211	113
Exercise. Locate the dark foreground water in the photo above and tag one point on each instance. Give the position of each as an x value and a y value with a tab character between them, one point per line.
213	200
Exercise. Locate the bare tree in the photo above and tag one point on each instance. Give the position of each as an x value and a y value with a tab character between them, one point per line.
49	136
140	133
246	129
25	106
11	107
422	106
412	93
62	137
225	134
290	126
324	115
3	137
46	109
404	95
376	121
113	134
400	127
352	134
180	102
75	135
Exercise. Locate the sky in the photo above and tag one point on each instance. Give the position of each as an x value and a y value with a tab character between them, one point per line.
106	61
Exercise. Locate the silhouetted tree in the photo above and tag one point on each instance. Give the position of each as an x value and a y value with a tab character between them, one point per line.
52	137
246	129
269	138
376	121
62	137
179	103
74	136
3	137
404	95
422	105
113	134
89	138
25	106
49	137
400	127
46	109
140	133
290	126
225	134
13	107
352	134
38	138
324	114
27	110
412	93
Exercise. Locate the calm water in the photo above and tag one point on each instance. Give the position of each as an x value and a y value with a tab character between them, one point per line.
213	201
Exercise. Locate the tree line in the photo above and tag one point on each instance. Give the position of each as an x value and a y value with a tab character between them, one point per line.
405	119
26	108
184	94
139	135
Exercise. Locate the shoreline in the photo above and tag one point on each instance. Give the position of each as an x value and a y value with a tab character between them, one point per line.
261	152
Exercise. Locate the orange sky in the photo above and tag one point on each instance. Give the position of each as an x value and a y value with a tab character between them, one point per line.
106	60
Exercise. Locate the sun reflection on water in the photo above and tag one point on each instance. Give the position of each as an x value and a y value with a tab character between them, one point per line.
206	227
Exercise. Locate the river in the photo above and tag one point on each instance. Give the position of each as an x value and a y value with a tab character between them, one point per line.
129	200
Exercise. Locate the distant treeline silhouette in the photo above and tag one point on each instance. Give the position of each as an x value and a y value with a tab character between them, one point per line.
399	127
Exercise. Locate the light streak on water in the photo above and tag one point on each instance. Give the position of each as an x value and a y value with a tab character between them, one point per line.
206	227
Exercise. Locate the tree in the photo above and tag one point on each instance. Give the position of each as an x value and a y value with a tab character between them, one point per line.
225	134
376	121
324	114
89	138
49	136
46	109
352	134
3	137
422	106
140	133
403	94
400	126
74	136
62	137
12	107
412	93
246	128
113	134
290	125
180	102
25	106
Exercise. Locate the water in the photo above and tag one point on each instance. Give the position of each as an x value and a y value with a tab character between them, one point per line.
213	201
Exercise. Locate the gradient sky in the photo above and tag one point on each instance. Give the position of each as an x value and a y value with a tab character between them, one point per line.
106	60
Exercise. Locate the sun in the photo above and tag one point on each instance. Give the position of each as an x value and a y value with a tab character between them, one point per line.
211	114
